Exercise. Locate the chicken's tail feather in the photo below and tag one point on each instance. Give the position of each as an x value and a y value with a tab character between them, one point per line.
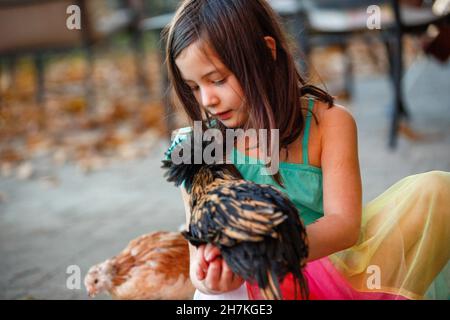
272	290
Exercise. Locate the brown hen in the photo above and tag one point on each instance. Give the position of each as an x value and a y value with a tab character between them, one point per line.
154	266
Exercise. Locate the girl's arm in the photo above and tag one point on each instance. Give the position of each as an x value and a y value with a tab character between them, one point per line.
209	273
342	191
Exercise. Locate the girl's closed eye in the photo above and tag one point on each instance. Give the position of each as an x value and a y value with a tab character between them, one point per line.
216	82
220	82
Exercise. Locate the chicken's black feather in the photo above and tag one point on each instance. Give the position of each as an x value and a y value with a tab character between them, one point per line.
185	171
256	227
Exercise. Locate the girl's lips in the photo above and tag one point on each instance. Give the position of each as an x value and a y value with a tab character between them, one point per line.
224	115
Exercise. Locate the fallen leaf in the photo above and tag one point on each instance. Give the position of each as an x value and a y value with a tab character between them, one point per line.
11	155
108	142
75	105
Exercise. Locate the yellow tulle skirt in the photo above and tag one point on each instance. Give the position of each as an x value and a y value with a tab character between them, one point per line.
402	252
404	246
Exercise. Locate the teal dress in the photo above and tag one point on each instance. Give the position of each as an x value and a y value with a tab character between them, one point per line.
302	181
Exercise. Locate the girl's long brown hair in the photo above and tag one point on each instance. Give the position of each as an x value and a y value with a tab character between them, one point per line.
235	30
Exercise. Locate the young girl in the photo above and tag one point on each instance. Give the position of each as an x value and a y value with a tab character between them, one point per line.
229	61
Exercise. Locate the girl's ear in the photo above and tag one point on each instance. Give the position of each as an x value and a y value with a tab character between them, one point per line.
270	42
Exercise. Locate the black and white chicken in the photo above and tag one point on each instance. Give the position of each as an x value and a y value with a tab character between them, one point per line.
256	227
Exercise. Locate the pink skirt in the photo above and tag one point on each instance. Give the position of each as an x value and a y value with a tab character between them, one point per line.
324	283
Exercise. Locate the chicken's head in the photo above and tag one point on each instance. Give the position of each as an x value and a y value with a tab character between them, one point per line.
99	278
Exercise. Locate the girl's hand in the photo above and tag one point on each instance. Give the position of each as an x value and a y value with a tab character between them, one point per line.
200	263
217	277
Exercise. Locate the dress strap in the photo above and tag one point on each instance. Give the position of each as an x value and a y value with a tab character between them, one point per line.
306	131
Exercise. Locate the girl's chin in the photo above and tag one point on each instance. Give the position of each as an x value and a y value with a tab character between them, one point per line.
230	123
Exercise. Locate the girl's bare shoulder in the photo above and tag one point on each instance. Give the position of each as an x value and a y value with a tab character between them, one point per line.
328	119
334	125
332	115
333	118
338	137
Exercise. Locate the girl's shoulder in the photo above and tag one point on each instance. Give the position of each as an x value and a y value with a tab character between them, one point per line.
331	123
337	132
332	118
335	114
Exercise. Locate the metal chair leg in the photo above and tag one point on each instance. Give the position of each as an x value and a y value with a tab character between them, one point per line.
394	48
399	110
40	77
399	107
348	71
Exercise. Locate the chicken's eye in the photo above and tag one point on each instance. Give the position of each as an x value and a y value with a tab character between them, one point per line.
96	281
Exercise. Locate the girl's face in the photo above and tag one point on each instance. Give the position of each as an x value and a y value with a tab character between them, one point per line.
215	88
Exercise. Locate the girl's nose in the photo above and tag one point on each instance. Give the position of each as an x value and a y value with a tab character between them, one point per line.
209	98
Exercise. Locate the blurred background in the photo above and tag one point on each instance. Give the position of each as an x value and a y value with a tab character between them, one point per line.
85	119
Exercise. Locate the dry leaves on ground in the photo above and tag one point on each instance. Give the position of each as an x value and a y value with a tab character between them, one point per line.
119	126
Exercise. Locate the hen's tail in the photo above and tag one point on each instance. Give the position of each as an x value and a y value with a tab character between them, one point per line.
272	289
